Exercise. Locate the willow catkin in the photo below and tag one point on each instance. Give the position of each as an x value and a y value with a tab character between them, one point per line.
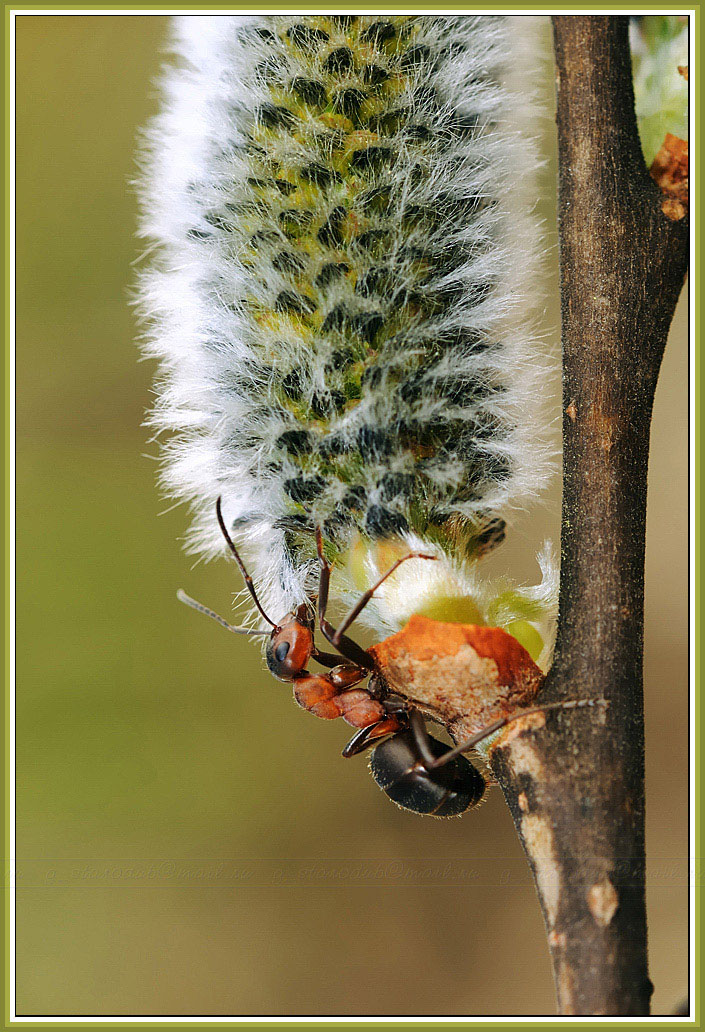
337	302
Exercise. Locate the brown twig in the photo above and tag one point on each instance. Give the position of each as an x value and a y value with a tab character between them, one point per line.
577	792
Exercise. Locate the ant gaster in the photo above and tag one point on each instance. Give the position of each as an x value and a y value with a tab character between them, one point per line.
415	770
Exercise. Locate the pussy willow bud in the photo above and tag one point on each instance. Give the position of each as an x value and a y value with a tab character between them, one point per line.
341	305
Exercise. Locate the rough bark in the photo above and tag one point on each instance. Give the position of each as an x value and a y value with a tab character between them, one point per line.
576	787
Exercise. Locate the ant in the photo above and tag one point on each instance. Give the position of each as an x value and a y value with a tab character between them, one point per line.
415	770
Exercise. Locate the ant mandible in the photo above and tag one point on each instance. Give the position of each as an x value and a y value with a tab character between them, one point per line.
415	770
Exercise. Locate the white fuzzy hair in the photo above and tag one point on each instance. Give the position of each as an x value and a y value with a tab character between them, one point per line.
221	362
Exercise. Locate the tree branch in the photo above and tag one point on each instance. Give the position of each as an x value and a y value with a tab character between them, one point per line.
577	793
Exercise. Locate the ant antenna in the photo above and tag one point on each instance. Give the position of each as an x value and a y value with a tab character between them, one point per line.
238	560
183	597
503	721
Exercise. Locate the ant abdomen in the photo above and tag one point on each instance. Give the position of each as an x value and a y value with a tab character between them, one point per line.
445	791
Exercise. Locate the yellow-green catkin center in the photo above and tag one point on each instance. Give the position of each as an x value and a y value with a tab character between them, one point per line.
354	255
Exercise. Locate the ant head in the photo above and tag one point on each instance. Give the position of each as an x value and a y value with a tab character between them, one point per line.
446	791
290	645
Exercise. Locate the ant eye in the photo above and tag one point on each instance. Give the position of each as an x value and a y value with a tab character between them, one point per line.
281	651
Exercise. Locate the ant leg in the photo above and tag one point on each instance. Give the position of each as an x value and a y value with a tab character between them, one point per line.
326	659
475	739
348	648
421	737
365	598
183	597
368	736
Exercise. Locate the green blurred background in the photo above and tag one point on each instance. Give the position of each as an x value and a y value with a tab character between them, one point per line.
188	841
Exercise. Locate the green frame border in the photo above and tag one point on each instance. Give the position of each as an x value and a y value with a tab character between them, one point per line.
556	1022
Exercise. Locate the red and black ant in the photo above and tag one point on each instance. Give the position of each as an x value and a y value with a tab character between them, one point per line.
415	770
